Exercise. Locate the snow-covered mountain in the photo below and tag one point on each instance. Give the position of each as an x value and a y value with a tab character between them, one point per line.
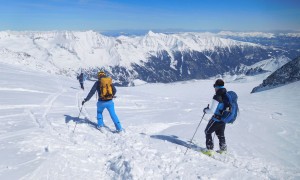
288	73
286	41
154	57
259	34
267	67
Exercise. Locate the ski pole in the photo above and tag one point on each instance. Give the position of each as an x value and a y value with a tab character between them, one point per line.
78	118
195	132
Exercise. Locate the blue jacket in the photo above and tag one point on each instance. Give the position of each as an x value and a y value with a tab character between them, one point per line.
217	106
96	87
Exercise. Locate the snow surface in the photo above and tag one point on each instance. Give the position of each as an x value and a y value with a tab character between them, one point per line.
39	112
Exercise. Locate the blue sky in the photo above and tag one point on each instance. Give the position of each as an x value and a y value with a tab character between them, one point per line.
101	15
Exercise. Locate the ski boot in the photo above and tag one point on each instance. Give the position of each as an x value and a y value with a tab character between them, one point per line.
208	152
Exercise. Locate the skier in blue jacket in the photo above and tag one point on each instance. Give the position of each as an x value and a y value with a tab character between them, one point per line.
215	124
104	104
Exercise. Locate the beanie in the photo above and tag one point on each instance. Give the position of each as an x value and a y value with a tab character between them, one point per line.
219	82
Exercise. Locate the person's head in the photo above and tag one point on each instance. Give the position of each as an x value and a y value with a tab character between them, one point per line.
219	84
101	74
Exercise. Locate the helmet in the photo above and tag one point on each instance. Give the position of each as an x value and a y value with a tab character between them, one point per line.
101	73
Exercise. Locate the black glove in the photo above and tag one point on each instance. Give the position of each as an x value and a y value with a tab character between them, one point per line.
83	102
205	109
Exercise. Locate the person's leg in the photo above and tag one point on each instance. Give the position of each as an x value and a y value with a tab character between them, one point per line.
221	135
100	108
111	109
208	131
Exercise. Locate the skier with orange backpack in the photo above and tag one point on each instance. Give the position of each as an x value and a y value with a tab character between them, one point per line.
106	91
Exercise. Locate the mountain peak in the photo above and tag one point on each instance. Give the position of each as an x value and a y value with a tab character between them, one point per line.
151	33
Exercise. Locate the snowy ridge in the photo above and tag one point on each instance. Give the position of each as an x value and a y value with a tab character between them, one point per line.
262	69
268	65
290	34
258	34
247	34
288	73
271	64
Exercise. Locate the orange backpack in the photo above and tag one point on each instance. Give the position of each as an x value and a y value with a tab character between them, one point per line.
106	88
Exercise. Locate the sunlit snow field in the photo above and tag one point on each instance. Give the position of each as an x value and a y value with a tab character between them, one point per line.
38	113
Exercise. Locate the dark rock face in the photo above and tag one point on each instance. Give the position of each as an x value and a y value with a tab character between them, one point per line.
288	73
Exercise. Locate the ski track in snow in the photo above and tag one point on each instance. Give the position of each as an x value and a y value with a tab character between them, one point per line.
129	147
145	151
22	90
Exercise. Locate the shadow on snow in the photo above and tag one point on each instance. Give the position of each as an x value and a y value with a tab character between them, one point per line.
77	120
174	139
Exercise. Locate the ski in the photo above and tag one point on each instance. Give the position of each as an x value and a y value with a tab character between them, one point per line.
211	153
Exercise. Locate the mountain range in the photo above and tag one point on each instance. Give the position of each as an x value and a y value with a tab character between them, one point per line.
153	57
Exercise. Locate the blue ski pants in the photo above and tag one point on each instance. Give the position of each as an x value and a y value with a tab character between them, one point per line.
110	106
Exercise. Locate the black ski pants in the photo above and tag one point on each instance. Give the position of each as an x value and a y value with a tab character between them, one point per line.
81	85
218	128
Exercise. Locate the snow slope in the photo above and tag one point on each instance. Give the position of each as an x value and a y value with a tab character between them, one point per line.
39	112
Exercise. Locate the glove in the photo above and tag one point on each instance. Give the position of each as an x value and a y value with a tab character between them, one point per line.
205	109
83	102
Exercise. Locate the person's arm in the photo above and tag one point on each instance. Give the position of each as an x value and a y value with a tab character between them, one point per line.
92	92
114	89
212	107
